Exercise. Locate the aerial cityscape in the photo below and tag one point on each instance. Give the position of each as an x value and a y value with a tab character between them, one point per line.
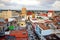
28	23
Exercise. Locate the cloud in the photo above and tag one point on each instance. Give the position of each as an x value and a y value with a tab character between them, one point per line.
5	0
2	5
30	4
22	2
56	4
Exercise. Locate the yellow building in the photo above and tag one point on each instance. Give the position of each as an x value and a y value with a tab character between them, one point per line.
7	14
1	15
23	13
33	15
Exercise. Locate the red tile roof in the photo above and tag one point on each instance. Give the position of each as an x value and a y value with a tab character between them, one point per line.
29	13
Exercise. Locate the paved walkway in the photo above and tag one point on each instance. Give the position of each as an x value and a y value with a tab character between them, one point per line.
30	33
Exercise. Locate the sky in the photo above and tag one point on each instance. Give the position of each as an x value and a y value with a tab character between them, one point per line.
30	4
